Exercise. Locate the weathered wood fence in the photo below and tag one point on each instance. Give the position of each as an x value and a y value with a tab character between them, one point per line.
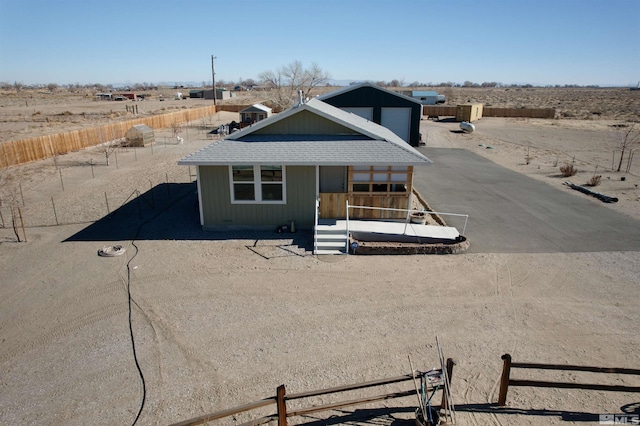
506	380
41	147
450	111
281	398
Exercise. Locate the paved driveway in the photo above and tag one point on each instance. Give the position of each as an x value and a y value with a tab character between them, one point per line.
512	213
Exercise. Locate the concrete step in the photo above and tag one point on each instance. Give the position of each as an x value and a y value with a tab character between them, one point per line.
331	239
334	245
334	252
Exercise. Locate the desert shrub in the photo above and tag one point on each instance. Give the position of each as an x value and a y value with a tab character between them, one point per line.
595	180
568	170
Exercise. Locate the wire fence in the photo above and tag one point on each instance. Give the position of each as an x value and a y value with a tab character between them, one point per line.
86	187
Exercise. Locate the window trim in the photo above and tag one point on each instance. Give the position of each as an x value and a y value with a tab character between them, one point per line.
257	185
380	180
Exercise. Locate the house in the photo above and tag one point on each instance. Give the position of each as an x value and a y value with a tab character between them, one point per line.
254	113
399	113
274	172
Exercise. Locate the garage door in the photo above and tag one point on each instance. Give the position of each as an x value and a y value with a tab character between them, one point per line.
364	112
398	120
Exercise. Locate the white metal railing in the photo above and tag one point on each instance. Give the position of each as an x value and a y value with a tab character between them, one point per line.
315	227
466	216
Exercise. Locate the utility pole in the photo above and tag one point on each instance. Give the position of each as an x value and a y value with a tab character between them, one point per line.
213	79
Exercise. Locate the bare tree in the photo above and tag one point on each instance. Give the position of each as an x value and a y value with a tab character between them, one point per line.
176	129
108	142
287	80
627	137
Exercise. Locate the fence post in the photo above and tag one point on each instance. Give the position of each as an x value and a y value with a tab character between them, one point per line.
444	404
106	200
153	203
22	224
282	406
21	193
55	215
504	379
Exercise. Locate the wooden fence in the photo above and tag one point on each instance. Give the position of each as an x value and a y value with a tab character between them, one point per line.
506	381
450	111
281	398
41	147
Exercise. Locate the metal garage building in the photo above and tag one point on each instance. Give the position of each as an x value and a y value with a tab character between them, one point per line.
399	113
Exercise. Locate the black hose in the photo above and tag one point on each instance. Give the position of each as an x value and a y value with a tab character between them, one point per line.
133	343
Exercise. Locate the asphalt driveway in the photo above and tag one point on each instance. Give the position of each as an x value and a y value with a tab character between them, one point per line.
512	213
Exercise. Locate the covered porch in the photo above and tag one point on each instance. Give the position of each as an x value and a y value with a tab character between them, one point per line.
341	236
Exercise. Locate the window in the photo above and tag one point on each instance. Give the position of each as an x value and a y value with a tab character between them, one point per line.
379	180
257	184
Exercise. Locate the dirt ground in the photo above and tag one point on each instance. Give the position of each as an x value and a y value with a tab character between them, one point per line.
220	320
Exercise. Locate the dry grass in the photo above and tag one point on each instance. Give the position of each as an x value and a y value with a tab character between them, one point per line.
595	180
568	170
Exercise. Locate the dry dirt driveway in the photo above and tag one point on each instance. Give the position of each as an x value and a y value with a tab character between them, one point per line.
512	213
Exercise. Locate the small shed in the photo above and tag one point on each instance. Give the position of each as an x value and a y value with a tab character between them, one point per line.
468	112
221	93
254	113
140	135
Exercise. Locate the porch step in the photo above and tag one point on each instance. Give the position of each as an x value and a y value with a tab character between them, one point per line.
331	240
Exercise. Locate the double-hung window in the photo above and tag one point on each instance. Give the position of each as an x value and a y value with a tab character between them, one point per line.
257	184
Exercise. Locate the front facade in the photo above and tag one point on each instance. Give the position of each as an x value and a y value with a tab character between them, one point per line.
399	113
274	172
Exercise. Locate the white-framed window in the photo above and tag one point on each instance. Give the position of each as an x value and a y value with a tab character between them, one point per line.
263	184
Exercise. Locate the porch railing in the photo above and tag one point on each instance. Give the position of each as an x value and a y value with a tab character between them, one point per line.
408	211
315	227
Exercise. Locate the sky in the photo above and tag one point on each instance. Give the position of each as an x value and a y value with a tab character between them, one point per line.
539	42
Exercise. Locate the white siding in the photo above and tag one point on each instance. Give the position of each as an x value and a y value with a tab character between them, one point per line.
398	120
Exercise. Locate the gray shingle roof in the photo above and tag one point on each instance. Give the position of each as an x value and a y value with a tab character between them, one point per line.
377	145
309	153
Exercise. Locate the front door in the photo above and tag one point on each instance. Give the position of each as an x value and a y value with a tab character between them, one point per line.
333	192
333	179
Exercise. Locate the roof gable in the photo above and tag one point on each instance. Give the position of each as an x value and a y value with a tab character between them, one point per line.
305	122
365	86
256	108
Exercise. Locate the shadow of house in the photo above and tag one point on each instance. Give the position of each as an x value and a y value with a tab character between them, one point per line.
170	212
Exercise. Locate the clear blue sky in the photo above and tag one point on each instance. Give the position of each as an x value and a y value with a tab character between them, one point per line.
508	41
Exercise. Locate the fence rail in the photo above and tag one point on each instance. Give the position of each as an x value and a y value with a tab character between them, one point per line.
281	398
506	381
